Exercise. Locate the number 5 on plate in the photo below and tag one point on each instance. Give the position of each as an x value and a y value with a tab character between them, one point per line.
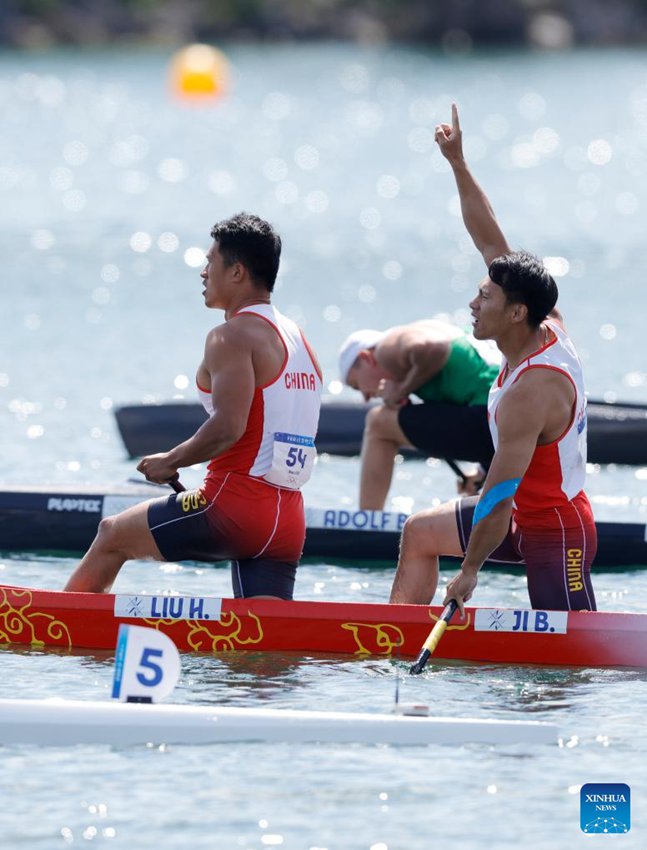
147	665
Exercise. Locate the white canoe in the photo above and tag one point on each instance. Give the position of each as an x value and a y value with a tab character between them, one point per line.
59	722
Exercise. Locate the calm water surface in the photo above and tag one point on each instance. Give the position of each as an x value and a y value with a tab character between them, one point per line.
109	190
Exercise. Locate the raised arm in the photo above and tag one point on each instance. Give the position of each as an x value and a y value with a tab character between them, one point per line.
477	212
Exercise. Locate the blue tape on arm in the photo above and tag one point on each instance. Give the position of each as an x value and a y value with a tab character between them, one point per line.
491	499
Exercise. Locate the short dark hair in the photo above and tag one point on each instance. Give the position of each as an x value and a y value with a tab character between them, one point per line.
248	239
524	279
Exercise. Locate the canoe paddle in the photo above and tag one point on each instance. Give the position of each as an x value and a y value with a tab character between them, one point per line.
456	469
176	484
434	637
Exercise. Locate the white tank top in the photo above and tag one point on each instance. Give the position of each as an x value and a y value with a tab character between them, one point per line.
278	443
557	470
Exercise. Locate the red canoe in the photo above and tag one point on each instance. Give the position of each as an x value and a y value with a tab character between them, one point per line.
209	624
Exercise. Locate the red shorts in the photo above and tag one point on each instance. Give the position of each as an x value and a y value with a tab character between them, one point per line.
558	561
231	518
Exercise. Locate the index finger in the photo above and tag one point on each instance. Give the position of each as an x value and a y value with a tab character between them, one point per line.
456	127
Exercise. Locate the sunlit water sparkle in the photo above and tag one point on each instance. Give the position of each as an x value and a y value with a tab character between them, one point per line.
109	191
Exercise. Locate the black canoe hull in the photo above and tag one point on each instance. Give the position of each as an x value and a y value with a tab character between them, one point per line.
66	520
617	433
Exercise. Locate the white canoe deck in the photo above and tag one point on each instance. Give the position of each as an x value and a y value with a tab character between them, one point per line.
60	722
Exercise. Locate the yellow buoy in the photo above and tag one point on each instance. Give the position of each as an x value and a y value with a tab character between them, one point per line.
199	72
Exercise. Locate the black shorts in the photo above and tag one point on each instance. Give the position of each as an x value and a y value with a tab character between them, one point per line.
454	431
262	577
185	529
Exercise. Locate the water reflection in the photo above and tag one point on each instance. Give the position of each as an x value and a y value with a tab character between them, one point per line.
90	657
229	677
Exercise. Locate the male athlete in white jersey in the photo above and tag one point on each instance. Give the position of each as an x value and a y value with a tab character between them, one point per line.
532	509
261	384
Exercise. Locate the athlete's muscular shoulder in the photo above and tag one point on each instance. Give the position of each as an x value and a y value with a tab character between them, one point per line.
405	344
226	336
254	336
541	399
224	347
240	332
522	408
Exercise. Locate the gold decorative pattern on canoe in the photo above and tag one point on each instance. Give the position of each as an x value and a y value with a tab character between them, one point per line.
375	638
229	633
19	624
384	638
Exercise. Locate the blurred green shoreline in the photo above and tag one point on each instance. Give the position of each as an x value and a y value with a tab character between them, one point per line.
455	25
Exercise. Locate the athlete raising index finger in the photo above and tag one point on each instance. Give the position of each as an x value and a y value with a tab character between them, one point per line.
533	509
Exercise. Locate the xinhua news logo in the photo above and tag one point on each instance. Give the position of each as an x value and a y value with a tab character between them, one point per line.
605	808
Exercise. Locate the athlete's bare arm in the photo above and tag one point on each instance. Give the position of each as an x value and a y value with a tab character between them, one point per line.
229	362
478	214
523	418
413	356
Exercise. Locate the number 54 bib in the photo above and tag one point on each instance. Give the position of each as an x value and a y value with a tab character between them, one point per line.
293	457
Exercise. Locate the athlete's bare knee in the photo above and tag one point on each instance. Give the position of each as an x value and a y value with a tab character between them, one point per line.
421	533
108	535
378	423
370	424
415	534
105	529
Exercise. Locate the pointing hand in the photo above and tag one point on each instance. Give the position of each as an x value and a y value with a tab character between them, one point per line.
449	137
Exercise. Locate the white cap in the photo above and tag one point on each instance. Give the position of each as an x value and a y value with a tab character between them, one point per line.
356	343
